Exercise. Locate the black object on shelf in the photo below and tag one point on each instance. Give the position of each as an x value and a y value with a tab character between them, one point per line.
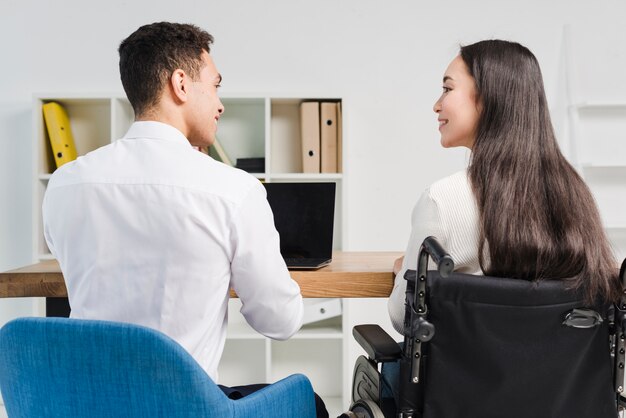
251	165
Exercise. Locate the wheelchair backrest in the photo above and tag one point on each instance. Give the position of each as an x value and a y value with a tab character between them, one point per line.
501	348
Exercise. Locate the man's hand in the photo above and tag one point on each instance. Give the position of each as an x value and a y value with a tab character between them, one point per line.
397	265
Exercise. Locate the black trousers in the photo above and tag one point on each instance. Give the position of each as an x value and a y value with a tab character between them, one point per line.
238	392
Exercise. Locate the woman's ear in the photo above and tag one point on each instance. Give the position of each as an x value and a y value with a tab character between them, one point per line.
179	83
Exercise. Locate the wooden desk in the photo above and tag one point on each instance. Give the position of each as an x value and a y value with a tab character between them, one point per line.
350	275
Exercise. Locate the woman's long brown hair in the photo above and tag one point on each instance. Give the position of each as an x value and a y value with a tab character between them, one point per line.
538	219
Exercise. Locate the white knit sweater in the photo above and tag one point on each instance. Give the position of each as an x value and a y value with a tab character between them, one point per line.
448	211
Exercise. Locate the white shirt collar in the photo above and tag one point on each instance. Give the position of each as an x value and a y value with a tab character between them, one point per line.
155	130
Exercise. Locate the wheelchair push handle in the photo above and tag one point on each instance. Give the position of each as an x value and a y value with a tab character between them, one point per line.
445	264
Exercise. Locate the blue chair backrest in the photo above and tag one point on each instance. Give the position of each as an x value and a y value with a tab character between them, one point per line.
75	368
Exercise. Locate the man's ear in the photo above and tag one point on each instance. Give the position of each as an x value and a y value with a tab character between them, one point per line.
179	83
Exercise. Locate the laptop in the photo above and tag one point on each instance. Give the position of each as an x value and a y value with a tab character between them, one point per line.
304	214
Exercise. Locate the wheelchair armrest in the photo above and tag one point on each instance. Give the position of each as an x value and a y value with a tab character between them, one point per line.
378	345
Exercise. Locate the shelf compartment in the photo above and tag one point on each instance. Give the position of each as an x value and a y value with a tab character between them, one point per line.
329	329
286	147
242	362
285	137
241	128
90	120
319	360
242	331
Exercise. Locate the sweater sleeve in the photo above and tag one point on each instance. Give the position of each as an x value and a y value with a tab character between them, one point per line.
425	222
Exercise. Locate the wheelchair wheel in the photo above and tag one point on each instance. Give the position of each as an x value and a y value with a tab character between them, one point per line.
364	408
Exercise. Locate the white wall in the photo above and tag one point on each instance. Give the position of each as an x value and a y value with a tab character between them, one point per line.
386	60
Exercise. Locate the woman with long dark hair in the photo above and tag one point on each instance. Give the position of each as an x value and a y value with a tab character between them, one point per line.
520	209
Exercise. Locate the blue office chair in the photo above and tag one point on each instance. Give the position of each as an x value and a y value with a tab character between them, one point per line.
58	367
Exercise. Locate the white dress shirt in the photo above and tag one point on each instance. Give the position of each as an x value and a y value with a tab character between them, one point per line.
448	211
150	231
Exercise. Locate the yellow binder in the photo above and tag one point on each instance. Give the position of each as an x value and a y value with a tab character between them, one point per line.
60	133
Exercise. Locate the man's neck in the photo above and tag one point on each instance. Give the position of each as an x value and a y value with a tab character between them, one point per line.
160	115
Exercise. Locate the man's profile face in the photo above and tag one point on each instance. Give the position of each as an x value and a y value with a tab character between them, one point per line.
204	106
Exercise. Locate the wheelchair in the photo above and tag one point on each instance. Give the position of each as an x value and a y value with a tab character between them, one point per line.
478	346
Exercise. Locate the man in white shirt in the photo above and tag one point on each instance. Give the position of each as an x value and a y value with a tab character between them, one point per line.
150	231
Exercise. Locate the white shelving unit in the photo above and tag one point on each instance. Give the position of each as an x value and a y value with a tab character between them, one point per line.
255	126
598	144
267	127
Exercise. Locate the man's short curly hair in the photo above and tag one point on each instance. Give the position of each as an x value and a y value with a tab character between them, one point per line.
151	54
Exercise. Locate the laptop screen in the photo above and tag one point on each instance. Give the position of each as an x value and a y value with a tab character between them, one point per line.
303	214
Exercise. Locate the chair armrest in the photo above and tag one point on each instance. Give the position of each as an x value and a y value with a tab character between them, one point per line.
289	397
378	345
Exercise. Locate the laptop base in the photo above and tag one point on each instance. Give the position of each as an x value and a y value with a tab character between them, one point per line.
306	263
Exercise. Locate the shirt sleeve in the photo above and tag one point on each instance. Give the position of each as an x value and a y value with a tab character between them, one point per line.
425	222
46	232
271	299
